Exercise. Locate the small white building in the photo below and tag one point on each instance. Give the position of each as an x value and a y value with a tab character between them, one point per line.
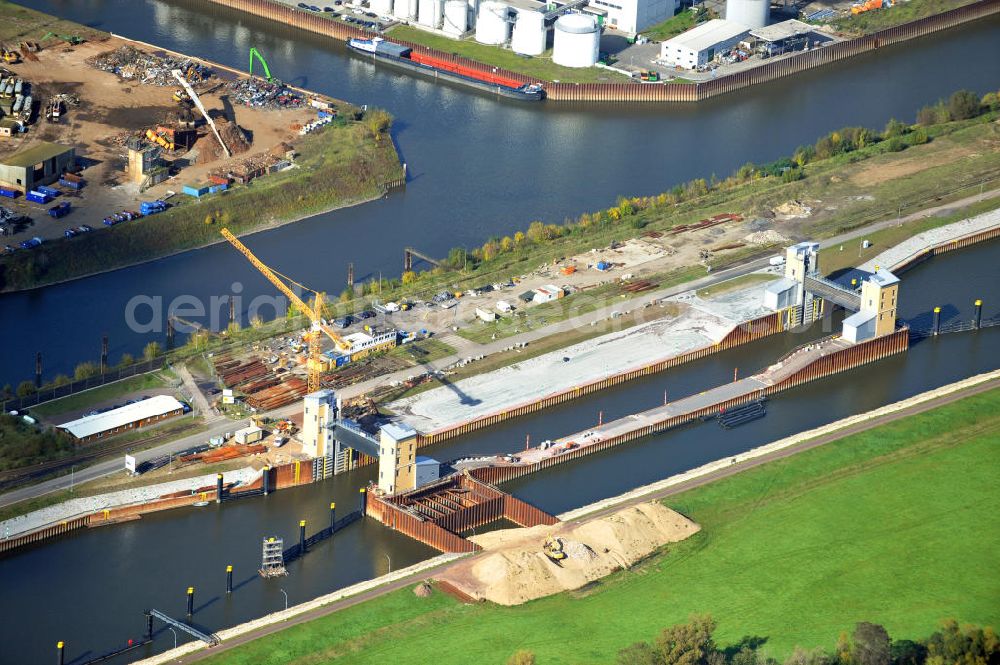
699	45
547	293
251	434
428	470
375	339
634	16
486	315
504	306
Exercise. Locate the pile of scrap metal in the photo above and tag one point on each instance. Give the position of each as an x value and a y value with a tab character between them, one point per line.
264	94
128	62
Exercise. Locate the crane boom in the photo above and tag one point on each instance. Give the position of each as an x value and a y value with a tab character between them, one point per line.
197	102
313	315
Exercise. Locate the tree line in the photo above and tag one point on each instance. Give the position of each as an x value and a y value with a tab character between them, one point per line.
693	643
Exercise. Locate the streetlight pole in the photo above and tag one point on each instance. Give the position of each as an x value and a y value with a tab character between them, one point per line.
175	635
389	561
72	473
286	597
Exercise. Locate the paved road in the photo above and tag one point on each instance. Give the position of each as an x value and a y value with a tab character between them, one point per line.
470	348
676	489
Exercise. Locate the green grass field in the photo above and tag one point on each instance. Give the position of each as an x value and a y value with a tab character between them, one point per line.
897	526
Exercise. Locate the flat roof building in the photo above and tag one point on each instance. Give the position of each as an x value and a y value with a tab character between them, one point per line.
131	416
698	46
41	164
634	16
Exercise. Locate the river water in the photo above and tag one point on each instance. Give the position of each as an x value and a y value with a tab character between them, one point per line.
478	166
90	588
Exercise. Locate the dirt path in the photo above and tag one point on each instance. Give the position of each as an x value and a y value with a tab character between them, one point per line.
198	397
932	403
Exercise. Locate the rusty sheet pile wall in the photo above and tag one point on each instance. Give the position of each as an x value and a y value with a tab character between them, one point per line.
649	92
741	334
845	359
436	514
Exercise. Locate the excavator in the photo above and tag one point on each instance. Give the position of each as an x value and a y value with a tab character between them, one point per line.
179	75
553	549
314	313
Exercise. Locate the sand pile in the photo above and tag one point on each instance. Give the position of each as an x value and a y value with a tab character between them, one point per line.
514	569
769	237
793	209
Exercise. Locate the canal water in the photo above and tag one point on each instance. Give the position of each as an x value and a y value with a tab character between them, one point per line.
478	166
89	588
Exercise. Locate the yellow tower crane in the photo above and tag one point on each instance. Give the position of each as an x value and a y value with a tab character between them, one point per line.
315	313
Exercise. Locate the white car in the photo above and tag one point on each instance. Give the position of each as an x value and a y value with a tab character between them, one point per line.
359	12
386	19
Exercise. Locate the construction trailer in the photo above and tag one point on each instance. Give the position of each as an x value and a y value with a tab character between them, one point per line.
39	165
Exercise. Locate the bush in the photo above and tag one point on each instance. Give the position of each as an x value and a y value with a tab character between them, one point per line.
963	104
85	371
895	144
919	136
25	389
895	128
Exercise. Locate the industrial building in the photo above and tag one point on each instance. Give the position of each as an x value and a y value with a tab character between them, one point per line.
131	416
318	419
397	469
782	37
698	46
375	339
877	315
41	164
633	16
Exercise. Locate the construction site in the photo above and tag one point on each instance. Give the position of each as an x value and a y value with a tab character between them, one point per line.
149	128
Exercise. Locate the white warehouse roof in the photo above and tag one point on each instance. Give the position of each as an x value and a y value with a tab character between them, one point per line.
708	34
130	413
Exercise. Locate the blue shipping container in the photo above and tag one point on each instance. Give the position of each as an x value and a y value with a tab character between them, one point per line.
49	191
37	197
9	193
69	183
60	210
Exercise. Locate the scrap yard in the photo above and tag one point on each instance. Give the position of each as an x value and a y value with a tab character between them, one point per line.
148	128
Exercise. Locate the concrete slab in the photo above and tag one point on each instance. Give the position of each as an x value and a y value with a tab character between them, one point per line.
700	323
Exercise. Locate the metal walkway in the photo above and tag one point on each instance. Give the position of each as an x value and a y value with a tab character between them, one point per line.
211	640
833	292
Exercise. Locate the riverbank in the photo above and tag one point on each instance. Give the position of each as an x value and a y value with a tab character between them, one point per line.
636	91
299	638
349	161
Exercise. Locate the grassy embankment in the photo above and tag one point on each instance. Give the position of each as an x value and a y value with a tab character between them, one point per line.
902	12
340	165
676	24
540	67
895	526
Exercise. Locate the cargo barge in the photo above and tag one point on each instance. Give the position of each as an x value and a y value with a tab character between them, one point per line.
430	65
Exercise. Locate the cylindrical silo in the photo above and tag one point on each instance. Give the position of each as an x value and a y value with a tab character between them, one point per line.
751	13
429	13
381	7
577	41
456	17
491	23
529	33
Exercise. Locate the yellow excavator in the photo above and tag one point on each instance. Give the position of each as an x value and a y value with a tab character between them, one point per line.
553	548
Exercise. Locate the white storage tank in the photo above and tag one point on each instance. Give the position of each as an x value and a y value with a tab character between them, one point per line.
429	12
491	23
381	7
751	13
577	41
529	33
456	17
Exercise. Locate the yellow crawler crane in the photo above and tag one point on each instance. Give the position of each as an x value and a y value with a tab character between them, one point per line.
315	313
